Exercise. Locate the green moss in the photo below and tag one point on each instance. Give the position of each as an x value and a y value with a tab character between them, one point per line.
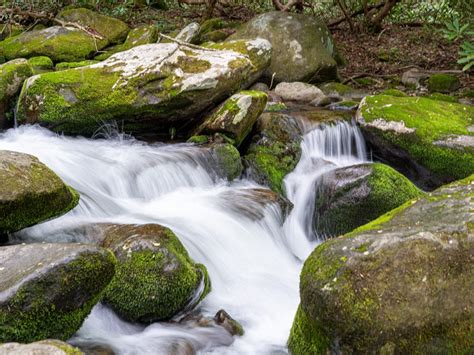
202	139
393	92
444	83
153	284
192	65
41	64
45	308
12	75
215	36
72	65
276	107
228	161
210	25
442	97
337	88
433	121
366	81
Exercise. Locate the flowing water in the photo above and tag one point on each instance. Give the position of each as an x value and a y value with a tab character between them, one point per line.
253	259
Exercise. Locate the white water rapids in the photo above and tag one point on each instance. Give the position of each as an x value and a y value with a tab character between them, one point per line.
253	263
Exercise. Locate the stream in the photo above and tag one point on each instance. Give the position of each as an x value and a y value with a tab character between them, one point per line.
253	259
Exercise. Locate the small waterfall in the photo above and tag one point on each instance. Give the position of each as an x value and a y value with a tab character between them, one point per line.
324	148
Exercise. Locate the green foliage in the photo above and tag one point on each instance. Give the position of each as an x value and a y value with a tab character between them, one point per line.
466	55
454	30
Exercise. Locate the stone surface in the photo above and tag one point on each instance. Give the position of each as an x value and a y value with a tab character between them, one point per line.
43	347
274	150
427	140
236	116
149	88
30	192
397	285
297	91
41	64
349	197
189	34
155	277
47	290
303	49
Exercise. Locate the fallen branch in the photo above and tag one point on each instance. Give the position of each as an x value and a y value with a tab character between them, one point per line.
181	43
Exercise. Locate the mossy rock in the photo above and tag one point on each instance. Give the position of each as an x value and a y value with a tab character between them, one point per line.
10	30
215	36
398	284
349	197
303	51
393	92
225	159
343	90
189	34
41	64
49	289
72	65
236	116
30	193
144	96
199	139
155	277
444	83
114	30
431	142
43	347
274	150
60	44
442	97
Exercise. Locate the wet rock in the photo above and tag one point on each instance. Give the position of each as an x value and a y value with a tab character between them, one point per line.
43	347
303	51
155	278
223	319
344	105
114	30
397	284
12	76
47	290
274	150
349	197
236	116
149	88
345	91
225	159
30	193
444	83
427	140
297	91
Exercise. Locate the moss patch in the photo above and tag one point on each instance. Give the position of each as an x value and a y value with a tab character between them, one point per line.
444	83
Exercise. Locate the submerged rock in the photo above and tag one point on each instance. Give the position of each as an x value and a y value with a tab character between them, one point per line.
275	149
349	197
30	193
47	290
12	76
155	277
148	88
399	284
236	116
427	140
43	347
303	49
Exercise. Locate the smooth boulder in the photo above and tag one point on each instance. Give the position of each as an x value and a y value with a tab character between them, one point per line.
236	116
298	91
155	278
149	88
30	192
274	150
400	284
349	197
43	347
47	290
429	141
303	49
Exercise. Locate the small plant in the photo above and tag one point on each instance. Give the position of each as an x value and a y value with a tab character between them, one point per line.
466	55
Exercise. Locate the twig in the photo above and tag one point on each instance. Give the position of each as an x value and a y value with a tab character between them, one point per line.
181	43
355	14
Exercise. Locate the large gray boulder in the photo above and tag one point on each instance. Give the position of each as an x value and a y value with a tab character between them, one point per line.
400	284
47	290
303	49
149	88
30	192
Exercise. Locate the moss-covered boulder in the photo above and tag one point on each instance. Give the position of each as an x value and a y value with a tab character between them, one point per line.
236	116
274	150
12	76
225	160
397	285
30	192
303	49
72	65
155	277
349	197
149	88
114	30
47	290
9	30
61	44
144	34
430	141
444	83
342	90
41	64
43	347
